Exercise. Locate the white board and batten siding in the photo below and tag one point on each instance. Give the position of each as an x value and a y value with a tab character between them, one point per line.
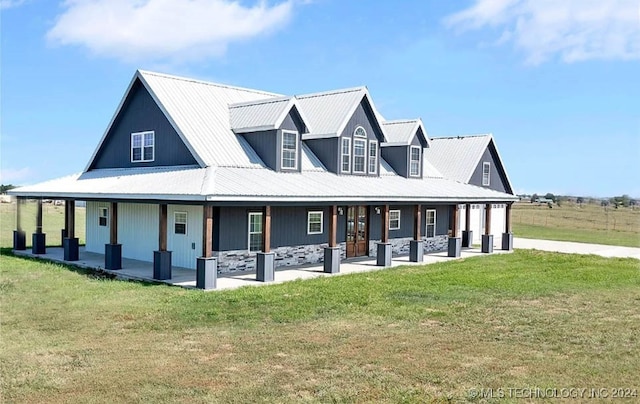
138	230
498	220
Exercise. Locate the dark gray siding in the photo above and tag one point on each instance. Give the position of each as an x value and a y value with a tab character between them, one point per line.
363	116
497	179
140	113
442	219
231	227
293	121
265	143
396	156
289	226
327	150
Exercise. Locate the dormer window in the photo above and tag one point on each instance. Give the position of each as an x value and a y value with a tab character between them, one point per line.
373	157
345	155
414	162
360	132
486	174
289	150
359	147
142	147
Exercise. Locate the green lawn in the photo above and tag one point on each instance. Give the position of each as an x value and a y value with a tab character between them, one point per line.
413	334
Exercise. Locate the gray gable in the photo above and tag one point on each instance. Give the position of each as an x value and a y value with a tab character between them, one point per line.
139	113
498	180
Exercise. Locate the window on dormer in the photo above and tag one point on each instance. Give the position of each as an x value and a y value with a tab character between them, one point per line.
414	163
289	150
486	174
373	157
142	147
346	154
359	147
360	132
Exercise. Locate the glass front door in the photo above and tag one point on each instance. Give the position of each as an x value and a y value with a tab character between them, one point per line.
357	234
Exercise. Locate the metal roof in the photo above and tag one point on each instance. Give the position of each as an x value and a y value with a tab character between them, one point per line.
457	157
241	184
401	132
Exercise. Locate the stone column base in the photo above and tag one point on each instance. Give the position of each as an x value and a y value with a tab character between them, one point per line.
383	256
162	265
206	273
507	241
113	256
455	245
19	240
38	243
487	243
265	267
416	251
71	248
467	238
332	260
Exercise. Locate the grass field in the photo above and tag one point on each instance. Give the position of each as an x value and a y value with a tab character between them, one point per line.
52	222
588	223
417	334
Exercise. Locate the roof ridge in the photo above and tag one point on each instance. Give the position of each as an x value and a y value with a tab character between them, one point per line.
332	92
209	83
399	121
461	136
260	102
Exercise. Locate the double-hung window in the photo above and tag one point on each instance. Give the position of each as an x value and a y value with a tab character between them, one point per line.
373	157
289	150
255	231
431	223
359	147
346	155
394	220
180	222
143	146
486	174
314	222
414	161
103	216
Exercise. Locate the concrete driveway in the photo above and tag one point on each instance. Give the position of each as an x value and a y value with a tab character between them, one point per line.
577	248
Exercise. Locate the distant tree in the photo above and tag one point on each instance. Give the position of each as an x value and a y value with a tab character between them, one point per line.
4	188
604	203
534	197
580	200
551	196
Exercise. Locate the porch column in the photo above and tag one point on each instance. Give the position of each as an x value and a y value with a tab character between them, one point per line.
332	253
113	250
467	234
19	236
207	264
416	246
39	239
507	236
265	267
455	242
383	256
487	237
70	243
162	257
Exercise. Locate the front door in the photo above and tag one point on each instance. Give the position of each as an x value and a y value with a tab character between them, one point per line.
357	234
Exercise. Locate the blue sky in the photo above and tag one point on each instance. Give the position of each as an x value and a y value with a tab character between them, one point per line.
557	83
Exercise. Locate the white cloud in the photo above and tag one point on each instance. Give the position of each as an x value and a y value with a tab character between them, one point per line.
576	30
164	30
13	176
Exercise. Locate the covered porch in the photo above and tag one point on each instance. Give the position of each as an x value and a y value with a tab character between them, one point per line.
136	270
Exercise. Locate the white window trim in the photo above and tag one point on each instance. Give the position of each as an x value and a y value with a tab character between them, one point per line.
488	179
186	221
342	154
372	142
249	233
393	211
355	132
309	221
106	217
427	224
153	150
364	165
410	160
297	152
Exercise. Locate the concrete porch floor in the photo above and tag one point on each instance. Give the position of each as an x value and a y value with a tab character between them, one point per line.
184	277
